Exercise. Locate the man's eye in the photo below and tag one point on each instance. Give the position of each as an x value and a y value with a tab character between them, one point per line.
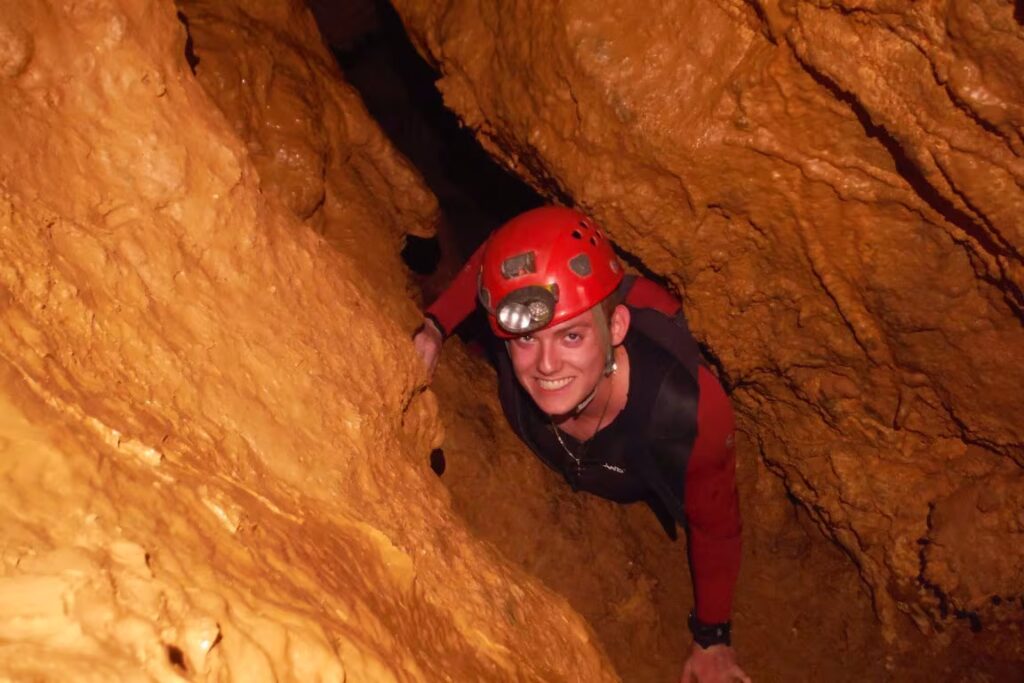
573	337
525	339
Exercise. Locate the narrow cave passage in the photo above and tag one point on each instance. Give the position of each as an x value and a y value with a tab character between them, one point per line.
475	194
803	612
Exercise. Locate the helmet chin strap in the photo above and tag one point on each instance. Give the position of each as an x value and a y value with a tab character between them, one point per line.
604	328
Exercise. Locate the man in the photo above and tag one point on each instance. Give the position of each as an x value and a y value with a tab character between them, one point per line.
604	383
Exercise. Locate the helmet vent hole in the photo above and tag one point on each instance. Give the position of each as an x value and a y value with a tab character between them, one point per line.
593	241
577	234
584	225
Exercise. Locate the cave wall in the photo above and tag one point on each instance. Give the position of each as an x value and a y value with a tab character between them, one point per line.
213	429
835	188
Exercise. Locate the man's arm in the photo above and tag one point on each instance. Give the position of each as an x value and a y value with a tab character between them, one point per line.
710	501
713	516
458	300
712	504
444	315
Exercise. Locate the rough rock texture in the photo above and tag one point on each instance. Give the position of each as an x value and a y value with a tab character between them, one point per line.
214	432
306	130
212	424
835	187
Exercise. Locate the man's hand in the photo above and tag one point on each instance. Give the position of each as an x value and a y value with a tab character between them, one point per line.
716	664
428	343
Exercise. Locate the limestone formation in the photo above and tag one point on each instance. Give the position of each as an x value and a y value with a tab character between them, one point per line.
836	189
210	409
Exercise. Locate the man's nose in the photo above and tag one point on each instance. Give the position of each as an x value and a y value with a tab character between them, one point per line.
549	360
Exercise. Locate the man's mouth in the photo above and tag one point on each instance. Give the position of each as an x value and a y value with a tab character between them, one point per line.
554	384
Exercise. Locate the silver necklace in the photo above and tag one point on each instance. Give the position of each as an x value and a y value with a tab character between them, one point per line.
578	459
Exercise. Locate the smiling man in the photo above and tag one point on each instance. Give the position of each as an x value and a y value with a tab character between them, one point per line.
605	384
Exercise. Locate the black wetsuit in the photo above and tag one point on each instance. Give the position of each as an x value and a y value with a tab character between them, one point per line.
675	435
642	454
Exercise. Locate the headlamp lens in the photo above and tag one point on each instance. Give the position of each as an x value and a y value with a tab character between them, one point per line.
514	317
526	310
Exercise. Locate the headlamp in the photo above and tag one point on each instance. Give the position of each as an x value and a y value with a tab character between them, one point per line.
527	309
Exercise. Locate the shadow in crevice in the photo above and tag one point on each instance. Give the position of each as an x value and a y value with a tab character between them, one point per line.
190	52
475	193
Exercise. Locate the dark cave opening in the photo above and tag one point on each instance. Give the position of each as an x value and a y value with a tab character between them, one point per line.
475	193
190	53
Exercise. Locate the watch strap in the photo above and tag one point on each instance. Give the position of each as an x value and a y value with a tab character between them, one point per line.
707	635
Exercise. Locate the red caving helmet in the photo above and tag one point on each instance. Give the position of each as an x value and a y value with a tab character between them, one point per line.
543	267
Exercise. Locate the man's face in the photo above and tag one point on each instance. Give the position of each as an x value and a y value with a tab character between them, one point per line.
560	366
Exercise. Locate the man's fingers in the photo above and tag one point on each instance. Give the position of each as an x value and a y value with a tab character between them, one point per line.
429	351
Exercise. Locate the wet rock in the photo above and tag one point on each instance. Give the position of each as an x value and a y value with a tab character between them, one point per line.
212	419
835	187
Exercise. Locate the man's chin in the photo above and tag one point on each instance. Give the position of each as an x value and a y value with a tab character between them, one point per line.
554	407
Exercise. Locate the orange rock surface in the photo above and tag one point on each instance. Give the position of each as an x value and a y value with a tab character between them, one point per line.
212	424
214	432
836	189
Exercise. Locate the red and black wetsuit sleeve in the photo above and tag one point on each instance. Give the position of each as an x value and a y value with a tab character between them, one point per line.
459	299
710	503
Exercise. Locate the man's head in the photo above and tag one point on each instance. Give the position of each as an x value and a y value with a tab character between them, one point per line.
546	281
560	365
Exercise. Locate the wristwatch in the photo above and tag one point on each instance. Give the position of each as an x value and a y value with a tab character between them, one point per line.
707	635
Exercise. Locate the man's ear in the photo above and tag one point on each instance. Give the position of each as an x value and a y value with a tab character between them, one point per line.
619	324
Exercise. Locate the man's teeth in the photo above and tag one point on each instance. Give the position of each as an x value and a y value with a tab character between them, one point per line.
552	384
